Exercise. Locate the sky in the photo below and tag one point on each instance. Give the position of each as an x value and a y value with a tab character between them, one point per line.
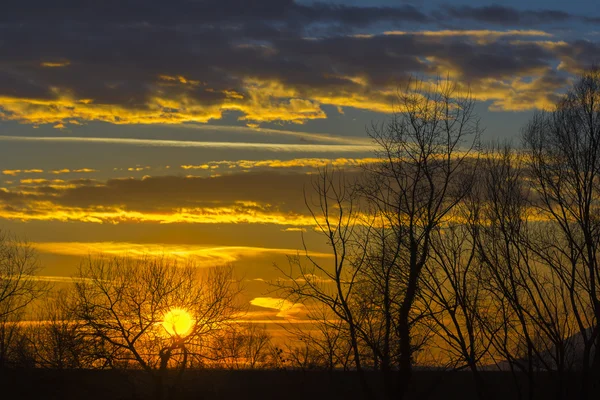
191	127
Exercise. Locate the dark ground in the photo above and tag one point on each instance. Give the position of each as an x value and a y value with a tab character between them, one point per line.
266	385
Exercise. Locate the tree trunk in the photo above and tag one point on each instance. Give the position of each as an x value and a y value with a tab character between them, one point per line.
359	369
405	360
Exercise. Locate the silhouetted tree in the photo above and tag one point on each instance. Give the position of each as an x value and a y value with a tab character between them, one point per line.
334	208
18	288
242	346
563	149
56	339
122	303
327	341
426	167
511	276
455	293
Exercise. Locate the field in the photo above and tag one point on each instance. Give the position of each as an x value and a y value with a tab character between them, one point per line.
225	385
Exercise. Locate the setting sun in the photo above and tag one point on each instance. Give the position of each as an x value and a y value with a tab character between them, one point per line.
177	322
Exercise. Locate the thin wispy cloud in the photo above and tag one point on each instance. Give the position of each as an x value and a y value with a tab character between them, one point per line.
202	255
317	137
474	33
57	279
311	163
285	308
276	147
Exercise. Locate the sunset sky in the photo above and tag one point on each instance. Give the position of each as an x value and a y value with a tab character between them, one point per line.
189	127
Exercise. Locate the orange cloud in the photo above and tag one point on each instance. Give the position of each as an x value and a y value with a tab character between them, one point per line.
239	213
67	171
15	172
179	79
202	255
263	101
293	163
55	64
473	33
137	168
40	181
257	105
285	308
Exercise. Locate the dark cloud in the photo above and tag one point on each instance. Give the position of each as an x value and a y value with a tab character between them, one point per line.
279	190
269	190
502	15
170	62
183	12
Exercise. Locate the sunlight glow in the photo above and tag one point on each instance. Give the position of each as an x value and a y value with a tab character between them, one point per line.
177	322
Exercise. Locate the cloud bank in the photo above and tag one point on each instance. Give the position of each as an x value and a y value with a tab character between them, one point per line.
270	60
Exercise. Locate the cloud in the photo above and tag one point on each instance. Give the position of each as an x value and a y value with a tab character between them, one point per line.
277	147
137	169
297	163
237	214
264	197
201	255
57	279
254	131
41	181
15	172
185	12
294	229
285	308
262	62
55	64
68	171
481	33
506	16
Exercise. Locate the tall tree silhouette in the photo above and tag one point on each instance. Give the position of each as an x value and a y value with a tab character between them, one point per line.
563	148
426	153
18	287
334	207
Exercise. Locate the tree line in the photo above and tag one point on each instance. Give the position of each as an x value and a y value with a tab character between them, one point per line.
457	255
446	254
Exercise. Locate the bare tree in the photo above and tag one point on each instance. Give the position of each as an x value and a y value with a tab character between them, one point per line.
426	169
524	314
55	339
257	345
381	286
504	261
334	208
327	339
564	160
18	287
455	294
242	346
123	303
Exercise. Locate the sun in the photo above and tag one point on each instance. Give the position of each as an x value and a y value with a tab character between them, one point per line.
177	322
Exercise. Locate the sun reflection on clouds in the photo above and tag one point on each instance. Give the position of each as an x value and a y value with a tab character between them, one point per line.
202	255
240	213
285	308
292	163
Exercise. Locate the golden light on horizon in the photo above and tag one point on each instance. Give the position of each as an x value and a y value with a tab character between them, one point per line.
177	322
